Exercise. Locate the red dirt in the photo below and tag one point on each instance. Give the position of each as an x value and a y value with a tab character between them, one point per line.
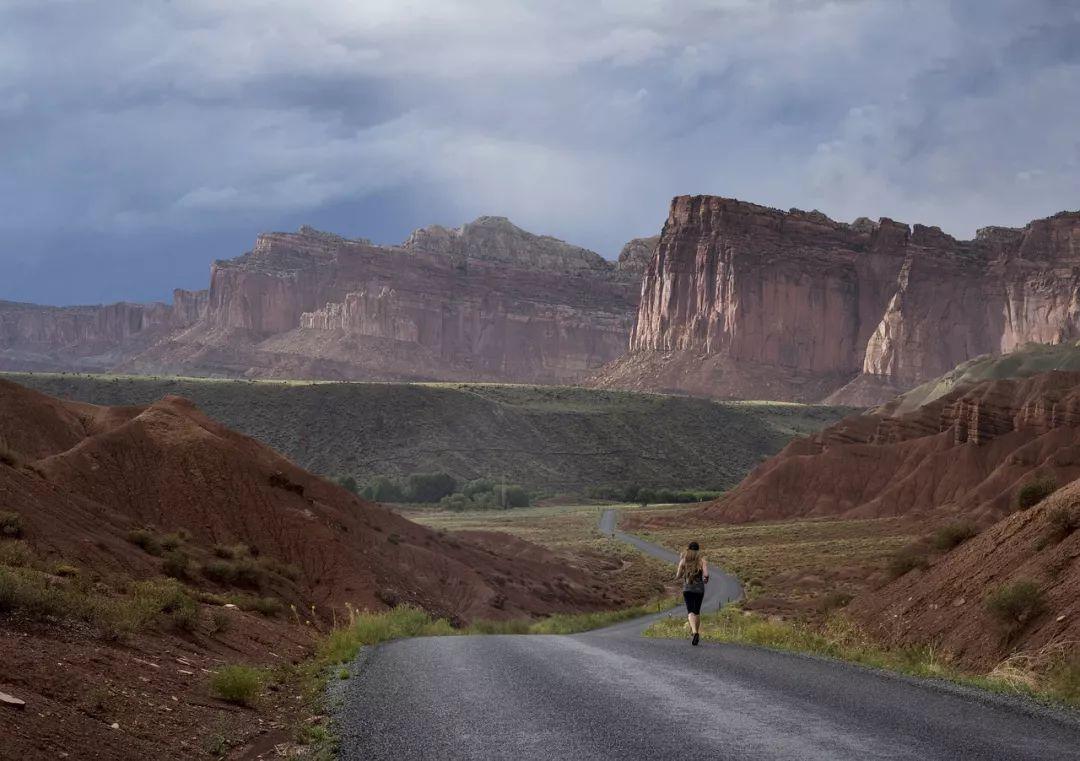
84	476
943	606
965	453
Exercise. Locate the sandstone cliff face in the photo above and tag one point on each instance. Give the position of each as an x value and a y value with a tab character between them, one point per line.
83	337
742	300
488	301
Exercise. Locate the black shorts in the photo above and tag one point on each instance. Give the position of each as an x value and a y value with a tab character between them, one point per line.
693	601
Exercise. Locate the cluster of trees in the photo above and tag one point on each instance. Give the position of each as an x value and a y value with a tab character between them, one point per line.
648	496
442	489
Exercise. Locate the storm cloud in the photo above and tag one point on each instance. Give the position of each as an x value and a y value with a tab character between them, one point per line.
142	139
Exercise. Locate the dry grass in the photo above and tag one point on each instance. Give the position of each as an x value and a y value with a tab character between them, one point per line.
800	564
567	530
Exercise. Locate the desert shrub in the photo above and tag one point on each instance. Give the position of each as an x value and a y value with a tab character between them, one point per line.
907	559
11	525
1014	604
281	568
478	486
171	541
266	606
28	592
383	489
429	487
833	601
249	573
348	483
512	495
176	563
237	684
219	622
953	535
65	570
1035	491
186	617
1064	680
146	540
221	571
457	502
393	539
1062	520
16	554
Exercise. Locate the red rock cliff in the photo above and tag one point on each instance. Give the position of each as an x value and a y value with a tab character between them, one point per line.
487	301
747	301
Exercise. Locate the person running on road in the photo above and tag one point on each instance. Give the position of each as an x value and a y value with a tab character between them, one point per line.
694	572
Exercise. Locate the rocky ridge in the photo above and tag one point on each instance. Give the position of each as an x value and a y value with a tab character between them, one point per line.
965	453
487	301
746	301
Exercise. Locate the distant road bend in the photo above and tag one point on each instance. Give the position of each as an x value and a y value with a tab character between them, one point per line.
612	694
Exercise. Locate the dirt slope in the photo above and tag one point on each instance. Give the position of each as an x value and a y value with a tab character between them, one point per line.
967	452
944	605
91	474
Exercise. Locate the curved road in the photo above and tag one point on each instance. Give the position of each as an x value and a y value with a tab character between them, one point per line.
611	694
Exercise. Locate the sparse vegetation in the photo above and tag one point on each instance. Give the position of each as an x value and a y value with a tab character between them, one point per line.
1013	605
559	440
146	540
840	638
176	564
15	554
238	684
953	535
907	559
1035	491
1062	520
11	525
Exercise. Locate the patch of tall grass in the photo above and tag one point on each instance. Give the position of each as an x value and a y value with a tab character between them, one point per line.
1040	676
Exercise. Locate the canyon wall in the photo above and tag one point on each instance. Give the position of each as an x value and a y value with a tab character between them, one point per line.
742	300
487	301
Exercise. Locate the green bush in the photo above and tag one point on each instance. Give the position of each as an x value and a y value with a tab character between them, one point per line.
1062	521
171	541
16	554
457	502
429	487
511	495
1035	491
176	564
383	489
221	571
1065	680
146	540
249	573
11	525
478	486
953	535
1014	604
266	606
238	684
348	483
219	622
907	559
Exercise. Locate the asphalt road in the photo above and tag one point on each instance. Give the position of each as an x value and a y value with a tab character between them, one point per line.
611	694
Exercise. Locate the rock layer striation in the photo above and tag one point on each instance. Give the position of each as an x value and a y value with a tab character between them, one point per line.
745	301
487	301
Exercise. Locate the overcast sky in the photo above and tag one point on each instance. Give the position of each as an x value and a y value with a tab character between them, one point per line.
141	139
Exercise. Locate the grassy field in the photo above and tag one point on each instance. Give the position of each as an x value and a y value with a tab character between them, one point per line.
796	567
549	439
568	530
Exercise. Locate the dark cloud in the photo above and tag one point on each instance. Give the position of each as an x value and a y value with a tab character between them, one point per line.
143	139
